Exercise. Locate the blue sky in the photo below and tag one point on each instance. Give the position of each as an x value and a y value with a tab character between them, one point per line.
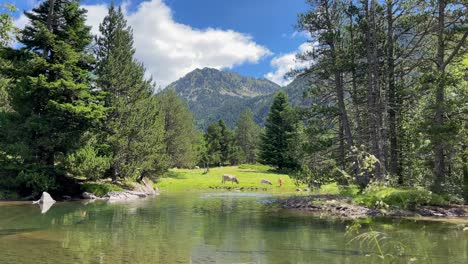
172	37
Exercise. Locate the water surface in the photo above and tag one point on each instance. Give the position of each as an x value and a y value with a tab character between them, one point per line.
213	228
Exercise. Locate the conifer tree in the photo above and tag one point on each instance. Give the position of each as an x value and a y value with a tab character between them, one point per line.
221	145
277	142
53	102
134	127
179	130
6	29
247	136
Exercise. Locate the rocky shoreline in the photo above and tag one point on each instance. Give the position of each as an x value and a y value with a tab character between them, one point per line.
139	190
343	207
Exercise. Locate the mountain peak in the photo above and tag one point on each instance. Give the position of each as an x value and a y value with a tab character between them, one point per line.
211	93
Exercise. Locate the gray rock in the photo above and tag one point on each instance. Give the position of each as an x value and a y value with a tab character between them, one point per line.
298	190
89	196
144	187
124	195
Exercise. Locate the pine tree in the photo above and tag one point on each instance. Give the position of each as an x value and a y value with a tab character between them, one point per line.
179	130
53	100
277	143
135	124
247	137
221	145
6	29
213	144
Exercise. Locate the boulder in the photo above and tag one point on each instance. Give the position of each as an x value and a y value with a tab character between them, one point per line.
45	199
298	190
89	196
197	167
124	195
145	187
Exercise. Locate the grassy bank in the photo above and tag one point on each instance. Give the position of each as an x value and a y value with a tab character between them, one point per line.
250	176
249	179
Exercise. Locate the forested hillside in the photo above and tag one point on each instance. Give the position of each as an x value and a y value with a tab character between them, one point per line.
212	94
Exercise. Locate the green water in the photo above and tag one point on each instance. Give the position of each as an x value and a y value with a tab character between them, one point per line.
212	228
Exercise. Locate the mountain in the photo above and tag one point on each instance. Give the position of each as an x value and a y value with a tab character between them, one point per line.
212	95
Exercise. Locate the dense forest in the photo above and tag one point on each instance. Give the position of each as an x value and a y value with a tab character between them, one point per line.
385	97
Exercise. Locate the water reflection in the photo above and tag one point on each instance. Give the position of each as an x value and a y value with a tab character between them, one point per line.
210	228
45	207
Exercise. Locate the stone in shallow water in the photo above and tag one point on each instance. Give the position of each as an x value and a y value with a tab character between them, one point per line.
45	203
45	198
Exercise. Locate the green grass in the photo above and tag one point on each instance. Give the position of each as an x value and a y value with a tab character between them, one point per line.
249	176
249	179
100	188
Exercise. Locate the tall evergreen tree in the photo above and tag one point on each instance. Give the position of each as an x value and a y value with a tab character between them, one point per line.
213	144
179	130
277	142
134	128
247	136
220	145
6	29
53	101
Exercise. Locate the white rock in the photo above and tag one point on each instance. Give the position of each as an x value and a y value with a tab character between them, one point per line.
45	199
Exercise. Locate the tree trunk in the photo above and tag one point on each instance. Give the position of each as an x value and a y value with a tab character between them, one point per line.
392	94
439	158
50	19
342	155
373	94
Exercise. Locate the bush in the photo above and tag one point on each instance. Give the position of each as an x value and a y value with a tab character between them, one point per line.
399	198
33	182
100	189
87	163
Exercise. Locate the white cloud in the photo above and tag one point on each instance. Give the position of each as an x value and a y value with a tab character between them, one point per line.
95	15
283	64
169	49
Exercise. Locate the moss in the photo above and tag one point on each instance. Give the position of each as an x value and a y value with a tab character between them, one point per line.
100	188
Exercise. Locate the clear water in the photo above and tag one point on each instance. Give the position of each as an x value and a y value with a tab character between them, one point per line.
213	228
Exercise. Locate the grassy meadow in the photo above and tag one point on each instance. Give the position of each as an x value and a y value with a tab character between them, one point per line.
179	180
249	177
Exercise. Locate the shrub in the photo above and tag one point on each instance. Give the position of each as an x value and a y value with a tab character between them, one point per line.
400	198
87	163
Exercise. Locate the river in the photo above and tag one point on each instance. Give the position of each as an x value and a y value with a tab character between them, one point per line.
215	228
